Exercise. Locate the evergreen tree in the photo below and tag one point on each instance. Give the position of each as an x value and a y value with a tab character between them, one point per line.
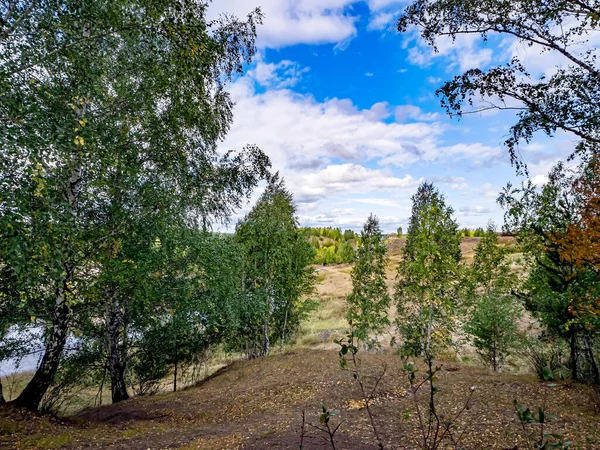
427	287
369	302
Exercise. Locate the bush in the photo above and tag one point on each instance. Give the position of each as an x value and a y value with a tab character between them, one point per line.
494	329
546	358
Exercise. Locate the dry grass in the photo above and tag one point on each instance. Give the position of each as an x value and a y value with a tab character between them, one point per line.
258	404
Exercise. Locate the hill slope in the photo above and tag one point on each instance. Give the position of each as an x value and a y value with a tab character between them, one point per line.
258	404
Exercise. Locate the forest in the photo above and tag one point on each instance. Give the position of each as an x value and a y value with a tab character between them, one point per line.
116	274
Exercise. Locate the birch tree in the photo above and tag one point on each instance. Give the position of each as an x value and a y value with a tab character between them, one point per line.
110	113
428	279
369	301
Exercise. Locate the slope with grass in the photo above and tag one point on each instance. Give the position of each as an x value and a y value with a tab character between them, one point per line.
259	404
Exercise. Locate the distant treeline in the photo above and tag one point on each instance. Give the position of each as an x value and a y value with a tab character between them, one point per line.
332	245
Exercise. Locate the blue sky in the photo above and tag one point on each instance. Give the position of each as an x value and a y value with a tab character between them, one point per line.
345	108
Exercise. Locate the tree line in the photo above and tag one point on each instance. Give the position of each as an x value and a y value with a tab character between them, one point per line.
556	225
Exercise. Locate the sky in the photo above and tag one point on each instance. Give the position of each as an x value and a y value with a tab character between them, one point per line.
345	107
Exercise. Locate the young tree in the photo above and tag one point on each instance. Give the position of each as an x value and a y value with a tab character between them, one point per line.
494	329
567	99
491	271
492	321
108	110
277	257
369	301
428	279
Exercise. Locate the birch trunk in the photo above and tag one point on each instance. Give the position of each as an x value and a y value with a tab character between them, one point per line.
116	351
35	390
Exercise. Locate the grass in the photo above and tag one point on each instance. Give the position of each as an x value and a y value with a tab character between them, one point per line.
259	403
47	442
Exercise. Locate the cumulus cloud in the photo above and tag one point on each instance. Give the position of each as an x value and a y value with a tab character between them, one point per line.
335	155
465	52
289	22
470	211
404	112
348	178
381	20
456	183
287	124
278	75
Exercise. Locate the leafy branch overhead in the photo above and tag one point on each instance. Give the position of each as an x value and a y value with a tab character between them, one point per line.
567	99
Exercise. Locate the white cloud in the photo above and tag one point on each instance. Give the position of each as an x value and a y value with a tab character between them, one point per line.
347	178
335	155
456	183
381	21
539	180
404	112
378	202
278	75
470	211
289	22
465	52
543	61
375	5
288	126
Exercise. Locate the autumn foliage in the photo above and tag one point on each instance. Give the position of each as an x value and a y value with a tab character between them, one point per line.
580	243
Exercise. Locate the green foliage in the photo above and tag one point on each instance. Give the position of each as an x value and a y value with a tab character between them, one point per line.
534	428
334	253
466	232
493	316
399	231
428	280
369	301
111	113
555	292
493	328
545	357
491	271
277	273
568	99
337	249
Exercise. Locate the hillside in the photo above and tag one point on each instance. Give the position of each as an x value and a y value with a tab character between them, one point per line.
258	404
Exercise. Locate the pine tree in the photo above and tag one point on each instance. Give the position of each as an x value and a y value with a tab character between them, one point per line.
369	301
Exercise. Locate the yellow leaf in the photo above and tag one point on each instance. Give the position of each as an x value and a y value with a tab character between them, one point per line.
78	141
